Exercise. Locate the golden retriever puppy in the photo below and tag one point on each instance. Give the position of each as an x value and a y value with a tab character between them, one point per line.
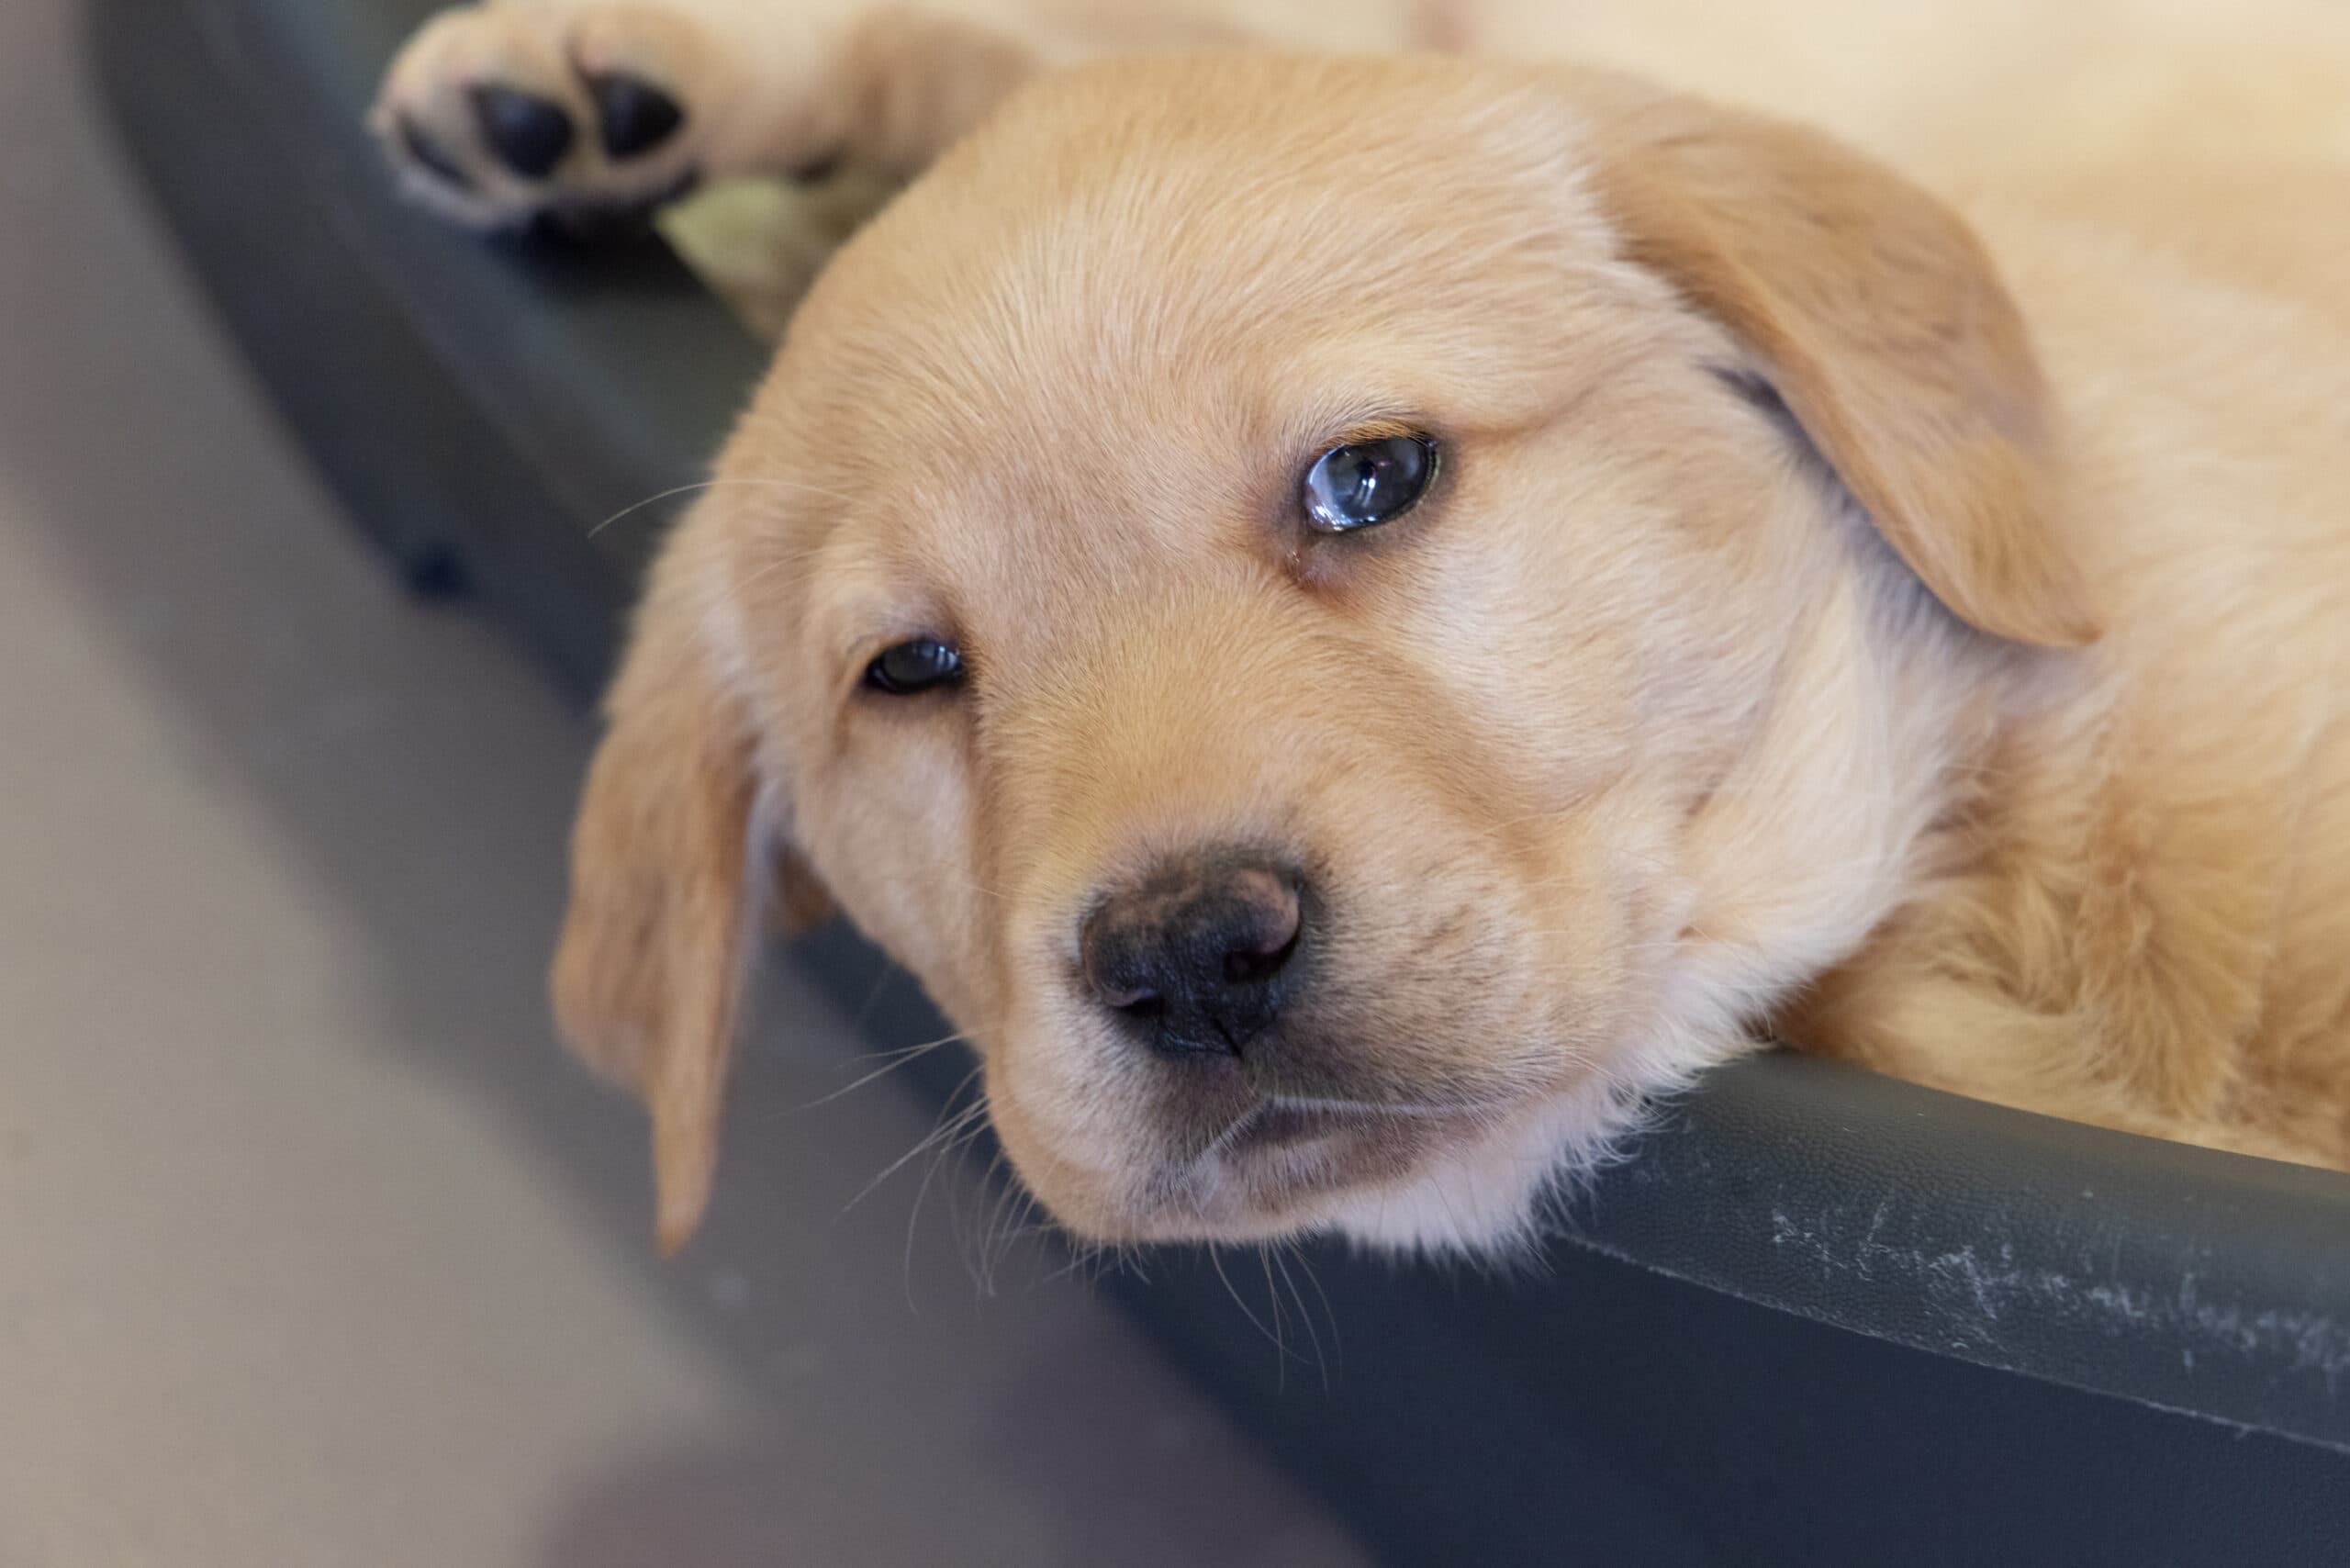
1355	619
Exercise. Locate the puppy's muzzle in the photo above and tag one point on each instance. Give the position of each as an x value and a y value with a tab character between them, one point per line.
1200	955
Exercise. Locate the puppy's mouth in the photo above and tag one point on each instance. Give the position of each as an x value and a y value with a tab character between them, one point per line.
1271	1166
1278	1126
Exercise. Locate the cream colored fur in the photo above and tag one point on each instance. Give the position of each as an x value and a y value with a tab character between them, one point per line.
1990	732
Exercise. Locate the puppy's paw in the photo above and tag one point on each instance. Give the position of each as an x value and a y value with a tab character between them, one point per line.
496	115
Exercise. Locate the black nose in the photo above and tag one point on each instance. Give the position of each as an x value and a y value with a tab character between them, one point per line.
1196	954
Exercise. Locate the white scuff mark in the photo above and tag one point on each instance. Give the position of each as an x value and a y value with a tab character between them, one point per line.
1976	1288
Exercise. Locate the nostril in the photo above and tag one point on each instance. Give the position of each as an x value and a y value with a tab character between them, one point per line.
1116	971
1139	1004
1253	965
1266	923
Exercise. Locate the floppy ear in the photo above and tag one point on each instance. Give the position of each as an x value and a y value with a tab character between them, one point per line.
1874	316
669	879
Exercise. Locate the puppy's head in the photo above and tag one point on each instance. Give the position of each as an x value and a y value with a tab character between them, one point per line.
1338	615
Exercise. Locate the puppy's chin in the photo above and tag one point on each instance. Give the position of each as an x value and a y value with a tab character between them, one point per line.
1466	1183
1281	1168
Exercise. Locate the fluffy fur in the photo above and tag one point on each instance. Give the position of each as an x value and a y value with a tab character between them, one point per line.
1913	623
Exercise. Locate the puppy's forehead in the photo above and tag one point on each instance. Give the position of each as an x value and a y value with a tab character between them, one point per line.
1140	280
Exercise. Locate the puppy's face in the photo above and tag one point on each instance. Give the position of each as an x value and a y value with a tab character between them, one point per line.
1253	581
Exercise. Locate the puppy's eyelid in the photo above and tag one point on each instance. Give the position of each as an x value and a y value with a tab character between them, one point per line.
1385	427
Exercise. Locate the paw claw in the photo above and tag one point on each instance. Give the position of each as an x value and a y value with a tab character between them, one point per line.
430	156
528	134
633	115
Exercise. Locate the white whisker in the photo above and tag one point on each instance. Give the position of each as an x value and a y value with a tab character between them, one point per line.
961	1121
751	482
895	1059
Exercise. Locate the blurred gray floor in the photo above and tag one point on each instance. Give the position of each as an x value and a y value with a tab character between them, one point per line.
313	1252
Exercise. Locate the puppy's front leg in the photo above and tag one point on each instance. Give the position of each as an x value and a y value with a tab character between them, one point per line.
588	110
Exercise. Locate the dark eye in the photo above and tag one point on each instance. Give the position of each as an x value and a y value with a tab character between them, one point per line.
1370	483
916	666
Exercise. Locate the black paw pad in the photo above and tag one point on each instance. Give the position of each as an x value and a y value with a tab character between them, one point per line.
633	115
431	155
528	134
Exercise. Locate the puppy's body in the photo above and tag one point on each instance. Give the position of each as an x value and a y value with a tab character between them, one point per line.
2141	917
2003	90
1817	626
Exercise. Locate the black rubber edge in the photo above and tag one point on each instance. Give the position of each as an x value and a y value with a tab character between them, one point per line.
2183	1277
